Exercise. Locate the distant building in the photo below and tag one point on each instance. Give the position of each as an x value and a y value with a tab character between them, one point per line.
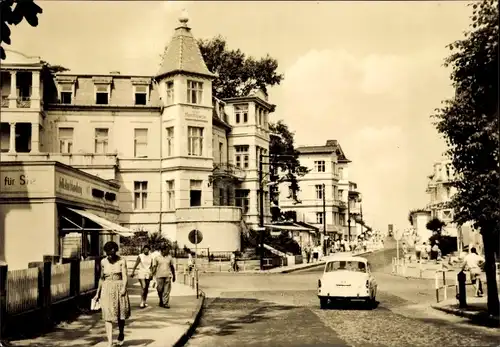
181	158
328	178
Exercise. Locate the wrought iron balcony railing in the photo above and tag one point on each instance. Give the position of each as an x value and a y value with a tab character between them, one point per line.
24	102
228	170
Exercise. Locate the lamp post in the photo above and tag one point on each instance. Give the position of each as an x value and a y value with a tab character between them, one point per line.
261	201
349	217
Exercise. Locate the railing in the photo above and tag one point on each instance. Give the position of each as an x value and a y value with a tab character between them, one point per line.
5	102
191	279
73	159
60	281
87	276
22	290
24	102
40	287
443	286
227	169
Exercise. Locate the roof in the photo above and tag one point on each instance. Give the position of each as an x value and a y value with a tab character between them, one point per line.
345	257
331	146
183	54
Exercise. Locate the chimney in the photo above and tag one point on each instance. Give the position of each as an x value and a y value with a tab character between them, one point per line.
331	143
115	73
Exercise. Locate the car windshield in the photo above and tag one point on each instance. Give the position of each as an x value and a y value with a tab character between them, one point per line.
339	265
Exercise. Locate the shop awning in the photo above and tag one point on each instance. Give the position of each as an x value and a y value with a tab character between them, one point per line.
104	223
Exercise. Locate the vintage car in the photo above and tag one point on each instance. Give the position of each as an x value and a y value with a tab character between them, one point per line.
347	277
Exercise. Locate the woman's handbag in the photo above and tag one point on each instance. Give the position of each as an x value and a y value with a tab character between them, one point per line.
95	305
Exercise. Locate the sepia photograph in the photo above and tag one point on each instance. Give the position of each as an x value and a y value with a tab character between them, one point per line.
249	173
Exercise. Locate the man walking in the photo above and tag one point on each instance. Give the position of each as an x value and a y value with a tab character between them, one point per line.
473	263
164	271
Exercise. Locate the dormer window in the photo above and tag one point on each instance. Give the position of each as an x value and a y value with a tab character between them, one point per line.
194	92
141	95
241	113
66	93
170	92
102	94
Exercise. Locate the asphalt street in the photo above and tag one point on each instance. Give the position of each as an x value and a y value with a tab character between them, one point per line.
283	310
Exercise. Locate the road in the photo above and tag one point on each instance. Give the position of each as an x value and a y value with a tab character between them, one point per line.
283	310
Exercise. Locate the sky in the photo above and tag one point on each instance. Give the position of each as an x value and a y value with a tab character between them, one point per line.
368	74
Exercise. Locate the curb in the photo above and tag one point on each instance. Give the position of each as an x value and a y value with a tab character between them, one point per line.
286	271
194	323
479	317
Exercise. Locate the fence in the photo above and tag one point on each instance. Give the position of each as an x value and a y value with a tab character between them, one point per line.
190	278
443	285
43	285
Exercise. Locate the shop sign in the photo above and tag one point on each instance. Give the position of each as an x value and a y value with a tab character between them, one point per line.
24	181
72	186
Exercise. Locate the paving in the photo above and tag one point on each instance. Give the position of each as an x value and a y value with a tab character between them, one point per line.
152	326
283	310
475	310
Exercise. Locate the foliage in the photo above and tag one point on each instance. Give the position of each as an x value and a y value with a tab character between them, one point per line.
436	225
134	244
469	123
13	13
284	158
238	74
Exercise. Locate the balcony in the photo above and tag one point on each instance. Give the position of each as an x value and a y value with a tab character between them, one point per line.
23	102
226	170
5	102
77	160
208	214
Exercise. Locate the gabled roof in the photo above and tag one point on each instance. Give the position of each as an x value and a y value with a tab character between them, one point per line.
183	54
331	146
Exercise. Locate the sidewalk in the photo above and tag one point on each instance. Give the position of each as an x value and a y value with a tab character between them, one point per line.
152	326
476	310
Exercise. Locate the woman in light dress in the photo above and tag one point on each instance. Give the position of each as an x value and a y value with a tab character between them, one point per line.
112	292
144	262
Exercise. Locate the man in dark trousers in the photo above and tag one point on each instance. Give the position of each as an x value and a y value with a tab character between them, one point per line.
164	272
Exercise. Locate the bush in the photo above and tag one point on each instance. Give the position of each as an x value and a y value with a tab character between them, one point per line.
143	238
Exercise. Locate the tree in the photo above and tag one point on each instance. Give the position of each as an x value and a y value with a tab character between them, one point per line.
13	13
436	225
470	126
284	159
238	74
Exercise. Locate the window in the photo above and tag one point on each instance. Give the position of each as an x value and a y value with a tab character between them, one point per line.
170	141
319	166
260	117
319	217
260	151
221	196
241	113
170	92
341	194
101	140
66	94
242	199
447	215
101	95
320	192
65	140
195	141
242	158
140	195
341	173
171	195
195	193
194	92
140	143
141	95
356	266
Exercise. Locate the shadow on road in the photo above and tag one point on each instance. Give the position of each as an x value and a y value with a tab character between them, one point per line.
352	305
228	320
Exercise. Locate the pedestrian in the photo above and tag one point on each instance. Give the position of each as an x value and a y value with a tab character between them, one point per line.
164	272
233	262
418	252
112	292
473	263
190	262
156	252
436	252
145	263
427	251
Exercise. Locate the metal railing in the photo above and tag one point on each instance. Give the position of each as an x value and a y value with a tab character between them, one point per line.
191	279
228	169
443	286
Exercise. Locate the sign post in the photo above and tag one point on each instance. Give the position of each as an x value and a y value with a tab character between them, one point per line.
195	237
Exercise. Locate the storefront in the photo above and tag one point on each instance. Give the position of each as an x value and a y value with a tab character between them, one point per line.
48	208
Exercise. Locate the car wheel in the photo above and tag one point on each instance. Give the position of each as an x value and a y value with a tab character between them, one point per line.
323	303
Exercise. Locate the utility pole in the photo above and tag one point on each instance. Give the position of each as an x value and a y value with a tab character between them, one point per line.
361	215
349	216
261	210
324	219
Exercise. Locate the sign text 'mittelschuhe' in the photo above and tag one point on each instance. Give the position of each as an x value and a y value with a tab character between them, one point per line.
68	185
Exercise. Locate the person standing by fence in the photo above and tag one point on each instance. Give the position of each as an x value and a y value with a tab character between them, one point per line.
112	292
144	262
164	272
473	263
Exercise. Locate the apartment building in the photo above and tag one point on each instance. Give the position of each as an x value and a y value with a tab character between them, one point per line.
182	159
328	181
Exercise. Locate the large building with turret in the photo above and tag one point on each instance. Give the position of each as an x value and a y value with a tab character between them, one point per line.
87	154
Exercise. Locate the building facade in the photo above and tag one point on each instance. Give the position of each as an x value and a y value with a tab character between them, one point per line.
328	181
182	158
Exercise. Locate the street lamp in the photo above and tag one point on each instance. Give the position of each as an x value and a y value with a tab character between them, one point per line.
261	200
